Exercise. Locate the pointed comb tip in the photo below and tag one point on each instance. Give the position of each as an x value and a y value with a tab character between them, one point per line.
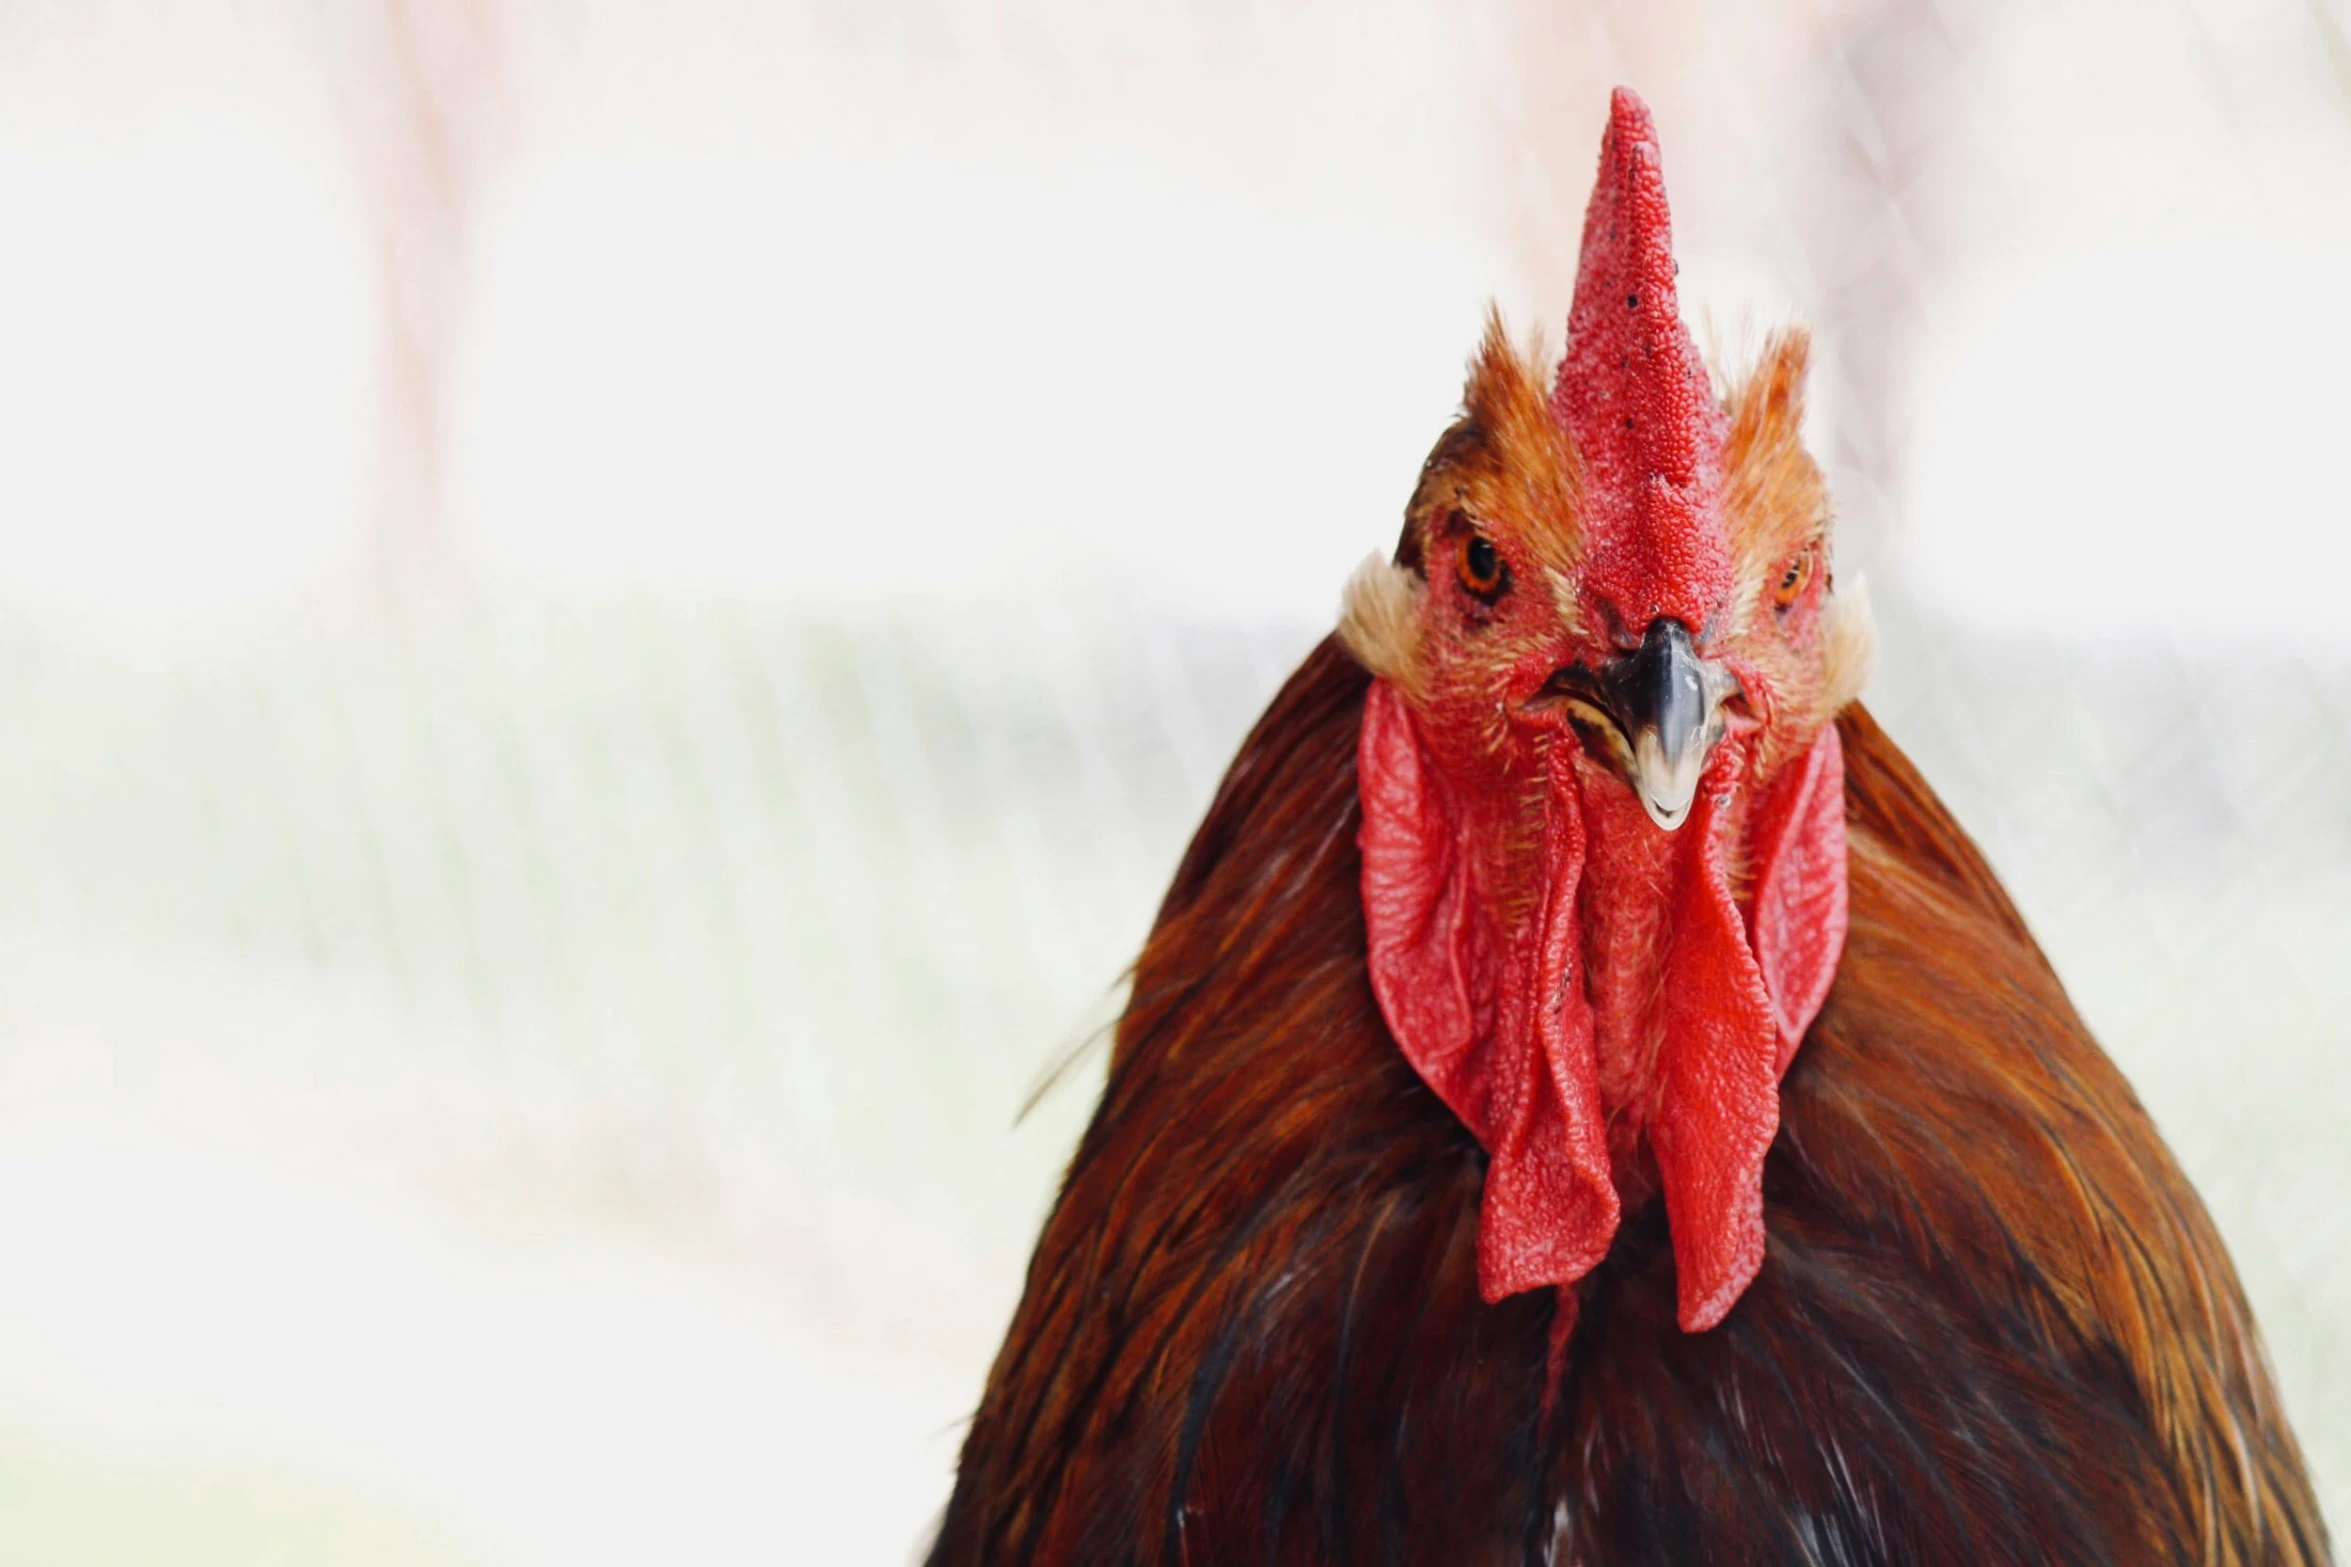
1627	112
1628	149
1631	181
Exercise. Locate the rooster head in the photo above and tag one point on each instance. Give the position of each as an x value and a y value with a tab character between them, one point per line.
1603	819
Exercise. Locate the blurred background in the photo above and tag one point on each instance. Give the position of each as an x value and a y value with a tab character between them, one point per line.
613	614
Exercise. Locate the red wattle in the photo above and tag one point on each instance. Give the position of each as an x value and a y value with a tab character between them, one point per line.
1719	1105
1495	1022
1735	1010
1796	921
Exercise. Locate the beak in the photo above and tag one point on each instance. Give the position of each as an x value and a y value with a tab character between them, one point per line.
1662	707
1673	712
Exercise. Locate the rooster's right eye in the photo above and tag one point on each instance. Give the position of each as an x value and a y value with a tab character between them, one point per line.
1481	568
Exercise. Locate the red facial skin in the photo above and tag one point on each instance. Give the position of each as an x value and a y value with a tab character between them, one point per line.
1608	1005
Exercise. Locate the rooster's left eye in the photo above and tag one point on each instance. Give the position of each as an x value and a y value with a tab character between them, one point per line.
1481	567
1792	581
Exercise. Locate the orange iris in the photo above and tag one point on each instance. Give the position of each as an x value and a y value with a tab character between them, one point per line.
1480	565
1793	580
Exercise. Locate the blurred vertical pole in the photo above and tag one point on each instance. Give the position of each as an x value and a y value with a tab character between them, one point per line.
1873	211
423	87
2334	36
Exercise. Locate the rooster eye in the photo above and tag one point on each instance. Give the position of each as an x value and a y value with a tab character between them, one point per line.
1793	580
1481	569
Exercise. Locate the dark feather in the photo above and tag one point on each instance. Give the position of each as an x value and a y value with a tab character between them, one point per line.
1995	1325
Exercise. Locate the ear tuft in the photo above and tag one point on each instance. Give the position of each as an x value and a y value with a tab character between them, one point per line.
1379	621
1773	491
1774	389
1849	636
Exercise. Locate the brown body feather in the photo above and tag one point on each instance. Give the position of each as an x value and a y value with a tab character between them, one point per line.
1995	1324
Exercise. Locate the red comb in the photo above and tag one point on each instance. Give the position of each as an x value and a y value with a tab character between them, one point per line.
1634	394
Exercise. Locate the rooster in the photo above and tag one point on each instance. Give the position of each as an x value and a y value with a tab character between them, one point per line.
1585	1101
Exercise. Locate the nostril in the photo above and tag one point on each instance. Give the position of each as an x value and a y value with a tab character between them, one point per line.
1620	634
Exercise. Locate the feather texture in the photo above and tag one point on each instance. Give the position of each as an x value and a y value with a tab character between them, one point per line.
1994	1323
